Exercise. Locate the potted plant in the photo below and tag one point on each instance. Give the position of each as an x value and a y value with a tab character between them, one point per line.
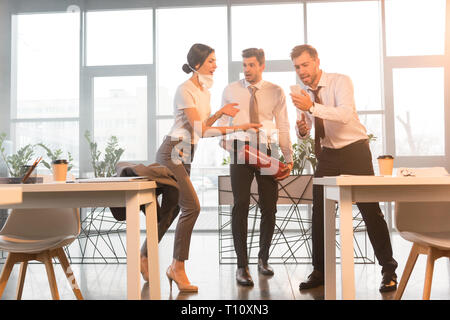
107	166
303	153
98	224
16	163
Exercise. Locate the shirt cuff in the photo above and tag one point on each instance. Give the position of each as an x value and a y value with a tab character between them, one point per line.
315	109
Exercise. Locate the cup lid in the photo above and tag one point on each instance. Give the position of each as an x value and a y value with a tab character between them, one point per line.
60	161
386	156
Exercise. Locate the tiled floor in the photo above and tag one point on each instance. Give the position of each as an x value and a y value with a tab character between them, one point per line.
216	281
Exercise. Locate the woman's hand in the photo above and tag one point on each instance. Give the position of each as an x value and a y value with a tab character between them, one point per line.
229	109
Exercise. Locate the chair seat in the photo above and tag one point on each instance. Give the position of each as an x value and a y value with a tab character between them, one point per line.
439	240
15	244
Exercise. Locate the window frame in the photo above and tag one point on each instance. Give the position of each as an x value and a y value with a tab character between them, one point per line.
427	61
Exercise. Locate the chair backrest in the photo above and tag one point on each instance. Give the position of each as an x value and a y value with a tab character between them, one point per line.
422	216
42	223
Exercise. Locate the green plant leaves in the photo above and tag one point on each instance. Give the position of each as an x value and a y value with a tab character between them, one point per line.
24	155
106	167
303	153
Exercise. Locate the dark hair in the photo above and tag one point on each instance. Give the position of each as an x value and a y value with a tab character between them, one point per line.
298	51
196	56
254	52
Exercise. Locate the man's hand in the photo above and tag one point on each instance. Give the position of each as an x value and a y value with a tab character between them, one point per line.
301	101
302	126
286	172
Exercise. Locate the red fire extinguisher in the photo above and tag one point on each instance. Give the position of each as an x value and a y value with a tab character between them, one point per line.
267	165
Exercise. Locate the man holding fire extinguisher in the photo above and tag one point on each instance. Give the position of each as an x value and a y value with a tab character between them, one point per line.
254	154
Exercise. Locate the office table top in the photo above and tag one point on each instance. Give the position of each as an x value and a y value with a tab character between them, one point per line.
10	194
91	186
349	180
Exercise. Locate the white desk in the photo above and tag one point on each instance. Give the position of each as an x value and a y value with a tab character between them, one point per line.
10	194
348	189
109	194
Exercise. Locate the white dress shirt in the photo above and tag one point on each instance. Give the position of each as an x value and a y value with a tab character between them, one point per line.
271	106
338	111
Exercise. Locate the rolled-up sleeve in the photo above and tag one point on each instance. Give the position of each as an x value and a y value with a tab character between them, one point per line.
344	103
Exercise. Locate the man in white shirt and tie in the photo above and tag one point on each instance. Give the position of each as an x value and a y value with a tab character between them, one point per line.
261	102
342	147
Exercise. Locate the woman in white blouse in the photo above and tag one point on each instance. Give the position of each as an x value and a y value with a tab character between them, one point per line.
193	120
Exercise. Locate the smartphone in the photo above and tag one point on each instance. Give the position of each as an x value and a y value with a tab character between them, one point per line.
297	89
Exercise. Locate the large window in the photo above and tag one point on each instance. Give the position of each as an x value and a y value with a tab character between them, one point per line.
119	37
274	28
415	27
45	88
120	109
416	134
416	71
351	44
119	54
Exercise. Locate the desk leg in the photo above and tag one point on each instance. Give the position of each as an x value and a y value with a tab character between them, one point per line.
330	248
152	249
346	235
133	244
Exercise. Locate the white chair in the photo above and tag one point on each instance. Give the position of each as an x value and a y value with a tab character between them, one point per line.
427	226
39	234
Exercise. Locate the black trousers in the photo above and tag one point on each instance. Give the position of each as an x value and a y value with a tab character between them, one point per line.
355	159
242	176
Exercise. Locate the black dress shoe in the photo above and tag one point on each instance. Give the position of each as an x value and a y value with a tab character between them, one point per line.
389	282
243	277
264	268
315	279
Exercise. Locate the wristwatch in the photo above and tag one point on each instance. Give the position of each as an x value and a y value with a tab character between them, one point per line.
311	109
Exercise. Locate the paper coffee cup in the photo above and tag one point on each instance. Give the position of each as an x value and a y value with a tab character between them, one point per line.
59	170
386	164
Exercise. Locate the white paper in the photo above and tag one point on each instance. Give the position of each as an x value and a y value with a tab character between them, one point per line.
110	179
422	172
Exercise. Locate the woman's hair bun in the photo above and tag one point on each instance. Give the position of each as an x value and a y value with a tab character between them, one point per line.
186	68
